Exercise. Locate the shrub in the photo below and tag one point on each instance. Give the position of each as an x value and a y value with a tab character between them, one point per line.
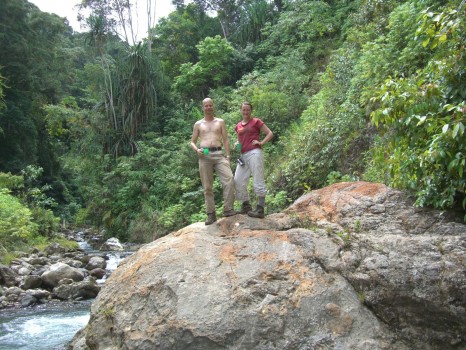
16	221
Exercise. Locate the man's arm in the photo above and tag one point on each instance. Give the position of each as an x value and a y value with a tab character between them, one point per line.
225	139
194	137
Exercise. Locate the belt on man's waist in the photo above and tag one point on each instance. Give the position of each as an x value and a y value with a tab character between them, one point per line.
213	149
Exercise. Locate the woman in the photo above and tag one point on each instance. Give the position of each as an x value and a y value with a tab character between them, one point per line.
249	130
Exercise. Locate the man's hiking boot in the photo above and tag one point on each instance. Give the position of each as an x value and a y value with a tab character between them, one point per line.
229	213
211	218
258	213
245	208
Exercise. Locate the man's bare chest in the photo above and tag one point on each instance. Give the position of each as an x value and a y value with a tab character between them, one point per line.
210	129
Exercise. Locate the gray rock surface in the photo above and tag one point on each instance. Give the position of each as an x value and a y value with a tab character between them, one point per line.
59	271
112	244
96	262
351	266
407	264
7	276
85	289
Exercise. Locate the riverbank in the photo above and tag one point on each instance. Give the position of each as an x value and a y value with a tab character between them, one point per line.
60	274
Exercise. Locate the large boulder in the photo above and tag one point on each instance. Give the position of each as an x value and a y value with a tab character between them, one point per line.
55	249
351	266
8	277
31	282
96	262
85	289
98	273
112	244
405	263
59	271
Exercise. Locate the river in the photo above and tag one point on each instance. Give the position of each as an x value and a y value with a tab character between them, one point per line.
49	326
42	327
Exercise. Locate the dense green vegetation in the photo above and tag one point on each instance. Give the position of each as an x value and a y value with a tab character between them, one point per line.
95	130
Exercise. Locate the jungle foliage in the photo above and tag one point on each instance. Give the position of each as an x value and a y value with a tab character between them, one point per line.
95	130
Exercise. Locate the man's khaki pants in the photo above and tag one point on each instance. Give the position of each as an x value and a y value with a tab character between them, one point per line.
216	161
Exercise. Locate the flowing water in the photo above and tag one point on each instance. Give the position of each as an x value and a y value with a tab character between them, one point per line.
42	327
49	327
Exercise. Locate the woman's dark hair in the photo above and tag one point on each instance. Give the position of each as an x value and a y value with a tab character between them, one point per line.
247	104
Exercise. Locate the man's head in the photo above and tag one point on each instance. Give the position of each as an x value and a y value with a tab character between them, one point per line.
208	106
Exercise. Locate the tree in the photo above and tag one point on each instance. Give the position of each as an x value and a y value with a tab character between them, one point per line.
227	13
252	19
175	37
35	73
423	116
16	222
212	70
303	26
135	88
2	101
110	17
119	18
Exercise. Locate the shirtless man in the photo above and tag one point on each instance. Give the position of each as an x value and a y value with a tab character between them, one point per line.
212	132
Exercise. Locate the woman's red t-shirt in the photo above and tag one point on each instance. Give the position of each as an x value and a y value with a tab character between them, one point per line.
248	133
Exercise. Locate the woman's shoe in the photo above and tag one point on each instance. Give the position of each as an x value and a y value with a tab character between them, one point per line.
258	213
